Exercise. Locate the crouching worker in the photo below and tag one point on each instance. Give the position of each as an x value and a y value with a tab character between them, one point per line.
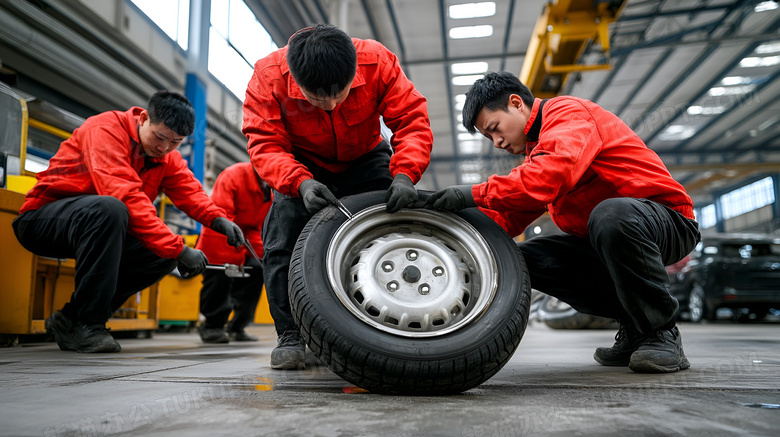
624	216
94	204
246	198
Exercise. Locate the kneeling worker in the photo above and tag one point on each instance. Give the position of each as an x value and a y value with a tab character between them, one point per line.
623	214
246	198
94	204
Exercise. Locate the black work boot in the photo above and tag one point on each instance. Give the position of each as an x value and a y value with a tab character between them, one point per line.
290	352
626	342
213	335
660	352
92	338
241	335
61	327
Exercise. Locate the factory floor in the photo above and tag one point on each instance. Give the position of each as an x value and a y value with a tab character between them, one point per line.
174	385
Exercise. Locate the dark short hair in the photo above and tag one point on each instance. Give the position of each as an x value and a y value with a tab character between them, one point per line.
492	92
322	59
173	110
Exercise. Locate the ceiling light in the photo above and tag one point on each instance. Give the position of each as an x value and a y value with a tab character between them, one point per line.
472	10
469	67
730	91
677	132
480	31
755	61
765	6
768	48
706	110
466	80
736	80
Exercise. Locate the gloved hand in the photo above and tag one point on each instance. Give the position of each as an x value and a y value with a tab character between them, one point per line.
191	262
316	195
452	198
400	194
225	227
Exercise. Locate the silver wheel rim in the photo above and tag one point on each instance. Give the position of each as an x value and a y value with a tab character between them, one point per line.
414	273
695	305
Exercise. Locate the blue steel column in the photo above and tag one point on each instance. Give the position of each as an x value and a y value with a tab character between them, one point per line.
195	87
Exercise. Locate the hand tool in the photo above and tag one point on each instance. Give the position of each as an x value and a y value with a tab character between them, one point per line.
231	270
344	209
252	251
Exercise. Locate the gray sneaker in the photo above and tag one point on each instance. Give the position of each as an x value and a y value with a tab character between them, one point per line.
660	352
61	327
626	342
92	338
290	352
213	335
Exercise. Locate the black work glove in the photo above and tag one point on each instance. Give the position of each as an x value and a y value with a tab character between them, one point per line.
316	195
452	198
400	194
231	230
191	262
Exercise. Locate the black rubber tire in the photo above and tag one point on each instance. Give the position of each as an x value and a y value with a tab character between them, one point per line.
558	316
382	362
697	298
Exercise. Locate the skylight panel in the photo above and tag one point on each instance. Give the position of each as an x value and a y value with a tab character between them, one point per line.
469	67
464	32
765	6
472	10
677	132
466	80
755	61
768	48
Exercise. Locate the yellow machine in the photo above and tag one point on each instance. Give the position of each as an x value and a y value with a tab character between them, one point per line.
560	36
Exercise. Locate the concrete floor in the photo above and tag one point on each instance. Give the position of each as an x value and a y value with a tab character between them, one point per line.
173	385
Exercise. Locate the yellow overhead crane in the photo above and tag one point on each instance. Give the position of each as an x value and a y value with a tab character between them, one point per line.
560	37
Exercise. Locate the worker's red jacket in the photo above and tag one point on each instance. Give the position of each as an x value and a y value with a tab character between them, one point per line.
584	155
280	122
239	192
104	156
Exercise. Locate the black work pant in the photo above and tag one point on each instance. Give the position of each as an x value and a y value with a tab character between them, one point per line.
111	265
619	271
288	216
221	294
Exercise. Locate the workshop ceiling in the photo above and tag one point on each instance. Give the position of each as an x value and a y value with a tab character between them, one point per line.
696	79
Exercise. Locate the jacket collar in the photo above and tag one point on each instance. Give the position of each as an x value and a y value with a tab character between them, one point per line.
533	126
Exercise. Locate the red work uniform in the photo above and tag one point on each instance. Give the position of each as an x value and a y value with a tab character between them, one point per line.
279	121
104	157
238	191
291	140
246	199
583	156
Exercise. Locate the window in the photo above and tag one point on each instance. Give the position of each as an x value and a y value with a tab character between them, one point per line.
706	217
748	198
236	41
172	16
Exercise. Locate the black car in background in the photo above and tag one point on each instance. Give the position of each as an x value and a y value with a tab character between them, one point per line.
740	272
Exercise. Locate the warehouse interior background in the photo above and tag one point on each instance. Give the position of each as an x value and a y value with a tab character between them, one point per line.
696	79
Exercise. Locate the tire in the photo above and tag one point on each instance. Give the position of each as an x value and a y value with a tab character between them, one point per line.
381	327
697	306
559	315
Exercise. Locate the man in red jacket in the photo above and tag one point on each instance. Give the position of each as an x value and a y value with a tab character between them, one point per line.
312	116
246	198
624	216
94	204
